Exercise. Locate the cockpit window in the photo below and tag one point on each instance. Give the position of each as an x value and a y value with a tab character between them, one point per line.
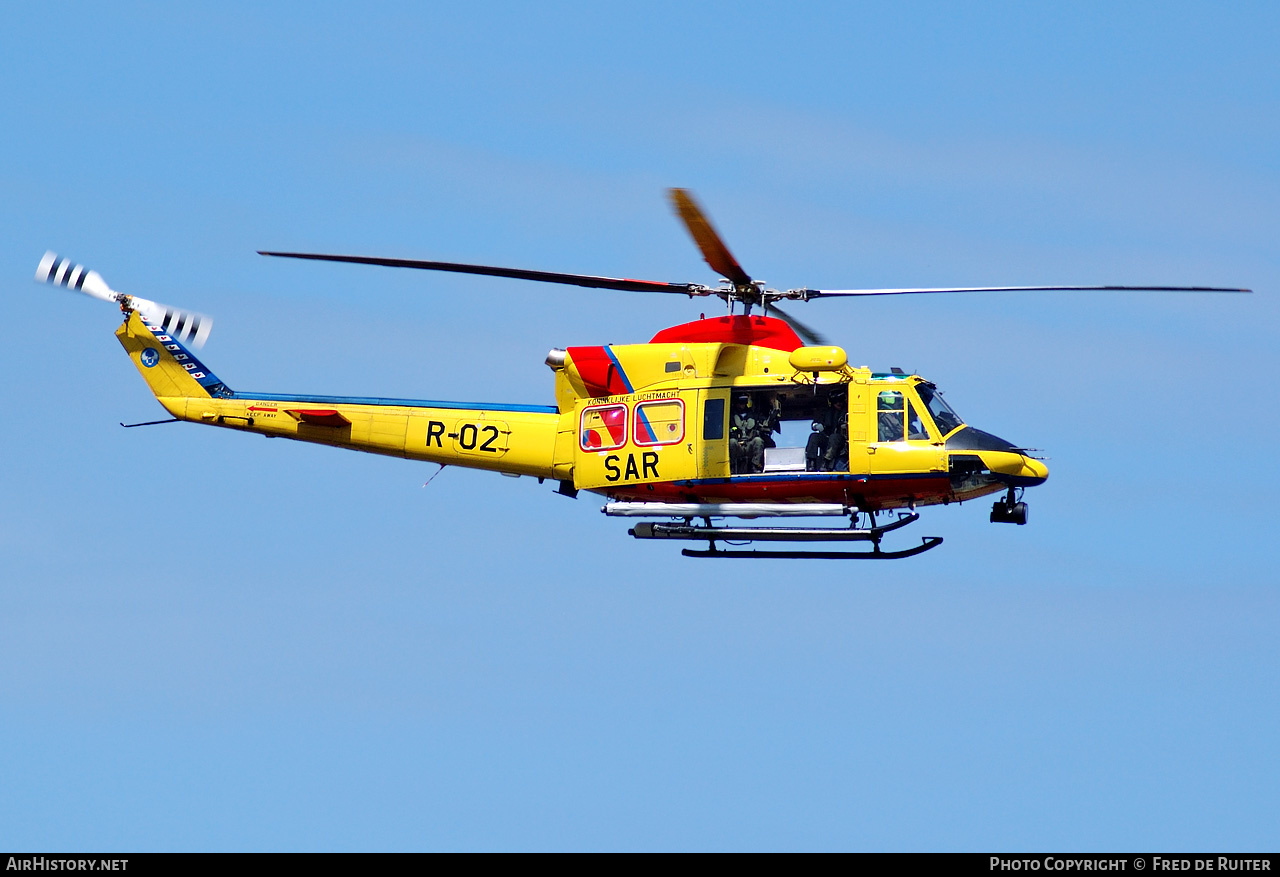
890	406
943	415
899	419
915	426
890	400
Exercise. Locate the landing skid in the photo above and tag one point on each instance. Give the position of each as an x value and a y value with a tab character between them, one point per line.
713	534
927	543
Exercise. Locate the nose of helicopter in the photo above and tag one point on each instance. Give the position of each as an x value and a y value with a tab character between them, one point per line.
1005	459
1015	469
1033	472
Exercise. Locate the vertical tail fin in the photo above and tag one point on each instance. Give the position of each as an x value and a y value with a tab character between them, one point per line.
168	367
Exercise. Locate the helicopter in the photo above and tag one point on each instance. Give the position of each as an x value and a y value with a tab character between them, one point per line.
741	416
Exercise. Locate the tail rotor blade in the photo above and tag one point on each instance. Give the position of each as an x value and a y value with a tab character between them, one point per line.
63	272
190	328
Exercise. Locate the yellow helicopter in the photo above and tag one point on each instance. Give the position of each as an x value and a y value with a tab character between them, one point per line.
740	416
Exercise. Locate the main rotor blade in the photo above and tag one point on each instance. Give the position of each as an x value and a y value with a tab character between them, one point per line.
810	336
806	294
705	236
589	280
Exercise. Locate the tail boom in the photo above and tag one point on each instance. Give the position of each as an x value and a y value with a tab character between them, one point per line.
513	439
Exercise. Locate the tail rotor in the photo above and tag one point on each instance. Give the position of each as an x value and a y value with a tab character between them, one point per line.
189	328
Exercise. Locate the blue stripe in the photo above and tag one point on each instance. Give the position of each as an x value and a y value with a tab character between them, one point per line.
404	403
645	422
209	382
626	382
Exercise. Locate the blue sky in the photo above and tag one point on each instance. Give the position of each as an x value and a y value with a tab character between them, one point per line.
209	641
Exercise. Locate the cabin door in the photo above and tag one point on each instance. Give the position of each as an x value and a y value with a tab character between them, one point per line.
711	440
624	441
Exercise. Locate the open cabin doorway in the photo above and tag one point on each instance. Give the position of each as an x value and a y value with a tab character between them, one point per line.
787	430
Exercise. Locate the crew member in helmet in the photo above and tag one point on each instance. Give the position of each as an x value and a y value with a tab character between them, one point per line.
746	446
836	457
816	448
768	410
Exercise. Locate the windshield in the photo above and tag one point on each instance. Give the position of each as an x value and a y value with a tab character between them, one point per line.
943	415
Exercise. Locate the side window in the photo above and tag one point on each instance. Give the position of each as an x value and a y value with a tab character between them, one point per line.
713	419
659	423
603	428
890	408
915	426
